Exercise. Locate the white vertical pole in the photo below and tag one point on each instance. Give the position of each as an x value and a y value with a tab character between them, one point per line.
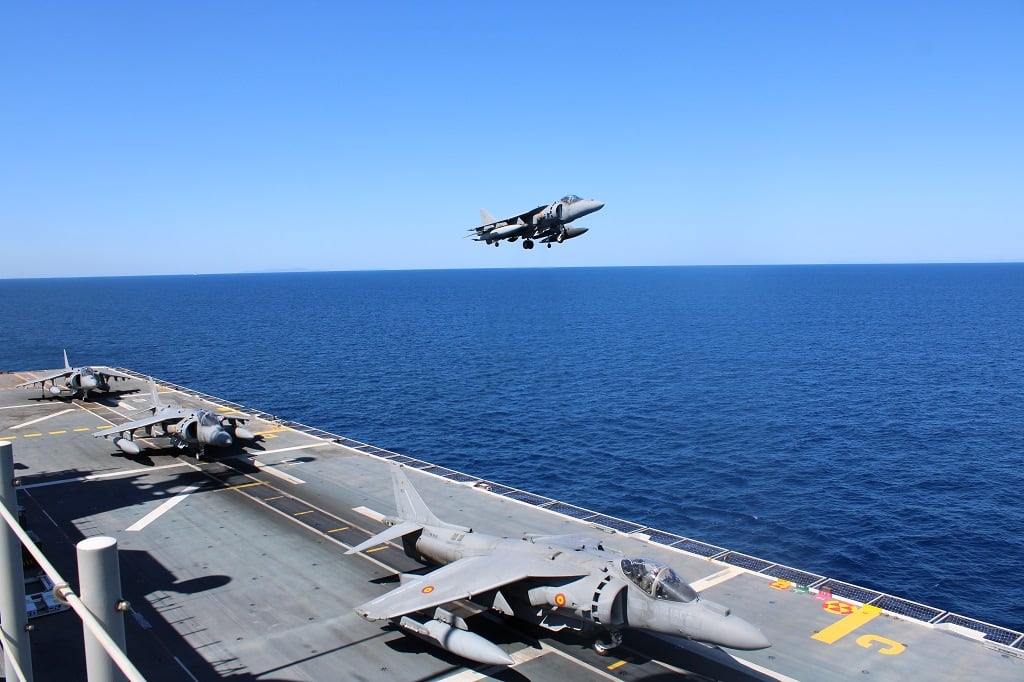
13	619
99	577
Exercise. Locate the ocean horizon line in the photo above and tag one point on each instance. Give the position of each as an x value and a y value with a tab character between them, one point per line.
695	266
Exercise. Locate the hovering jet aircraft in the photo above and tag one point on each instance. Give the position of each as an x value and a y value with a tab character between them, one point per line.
76	380
187	428
556	582
548	224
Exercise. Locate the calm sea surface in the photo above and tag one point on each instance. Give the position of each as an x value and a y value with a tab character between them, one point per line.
862	422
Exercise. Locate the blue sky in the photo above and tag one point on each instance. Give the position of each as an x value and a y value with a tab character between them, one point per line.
176	137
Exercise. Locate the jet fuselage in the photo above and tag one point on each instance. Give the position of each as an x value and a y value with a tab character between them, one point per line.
613	592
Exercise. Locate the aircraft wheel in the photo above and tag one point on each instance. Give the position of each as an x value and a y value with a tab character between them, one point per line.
527	244
603	648
549	245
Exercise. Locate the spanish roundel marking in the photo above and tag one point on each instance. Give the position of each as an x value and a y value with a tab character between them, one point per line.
428	589
559	599
836	606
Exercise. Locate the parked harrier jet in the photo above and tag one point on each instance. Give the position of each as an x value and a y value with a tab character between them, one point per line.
548	224
76	380
556	582
187	428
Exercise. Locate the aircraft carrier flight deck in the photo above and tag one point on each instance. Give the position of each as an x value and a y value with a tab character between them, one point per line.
234	566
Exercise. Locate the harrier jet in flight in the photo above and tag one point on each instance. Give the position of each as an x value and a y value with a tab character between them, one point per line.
76	380
546	224
555	582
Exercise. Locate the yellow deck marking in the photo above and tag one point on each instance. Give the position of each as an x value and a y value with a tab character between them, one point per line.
616	664
83	428
270	499
32	435
7	437
376	549
860	617
891	648
245	485
337	530
55	433
308	511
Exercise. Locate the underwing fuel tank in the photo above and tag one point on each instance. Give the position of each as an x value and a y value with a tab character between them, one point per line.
243	433
53	390
459	642
127	445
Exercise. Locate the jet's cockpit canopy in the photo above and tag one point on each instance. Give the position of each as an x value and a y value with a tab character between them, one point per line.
208	419
570	199
657	580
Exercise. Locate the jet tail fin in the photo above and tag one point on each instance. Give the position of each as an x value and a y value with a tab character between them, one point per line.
67	365
413	514
154	395
410	505
486	218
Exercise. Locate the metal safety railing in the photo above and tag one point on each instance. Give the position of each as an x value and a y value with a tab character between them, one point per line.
17	653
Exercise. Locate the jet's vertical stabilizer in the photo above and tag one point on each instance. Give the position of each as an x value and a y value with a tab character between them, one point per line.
486	218
67	365
154	396
410	505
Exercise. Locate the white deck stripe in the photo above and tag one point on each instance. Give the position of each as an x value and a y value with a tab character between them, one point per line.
21	407
274	472
163	508
295	447
717	578
94	477
369	513
42	419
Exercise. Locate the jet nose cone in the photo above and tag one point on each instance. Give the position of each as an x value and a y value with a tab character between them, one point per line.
221	438
736	633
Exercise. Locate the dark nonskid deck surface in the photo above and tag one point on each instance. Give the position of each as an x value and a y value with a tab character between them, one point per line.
234	566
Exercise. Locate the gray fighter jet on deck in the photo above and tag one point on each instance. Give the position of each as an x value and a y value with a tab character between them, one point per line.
547	224
187	428
556	582
76	381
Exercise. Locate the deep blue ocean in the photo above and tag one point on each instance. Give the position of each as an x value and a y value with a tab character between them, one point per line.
861	422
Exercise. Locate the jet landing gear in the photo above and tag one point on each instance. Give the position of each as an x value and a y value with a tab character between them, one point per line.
604	648
527	244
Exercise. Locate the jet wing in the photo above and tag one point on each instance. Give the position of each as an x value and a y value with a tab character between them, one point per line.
463	579
524	216
111	373
46	377
161	418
